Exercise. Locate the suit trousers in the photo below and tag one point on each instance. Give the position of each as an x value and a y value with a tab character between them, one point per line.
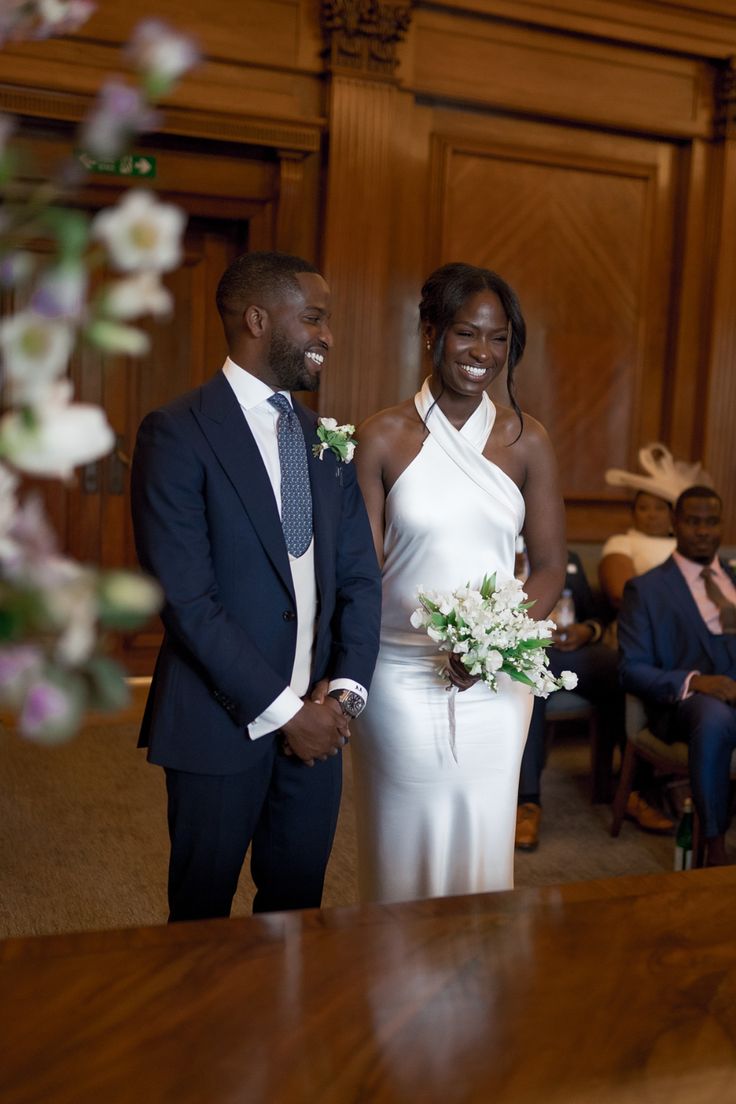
285	809
709	727
597	669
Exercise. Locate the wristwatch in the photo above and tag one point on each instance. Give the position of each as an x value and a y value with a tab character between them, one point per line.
351	703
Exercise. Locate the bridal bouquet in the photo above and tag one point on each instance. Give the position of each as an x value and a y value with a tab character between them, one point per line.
490	629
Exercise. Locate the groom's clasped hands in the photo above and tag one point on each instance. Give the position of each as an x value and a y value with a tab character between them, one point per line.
319	729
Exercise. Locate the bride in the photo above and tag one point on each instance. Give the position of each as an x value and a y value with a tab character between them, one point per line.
450	480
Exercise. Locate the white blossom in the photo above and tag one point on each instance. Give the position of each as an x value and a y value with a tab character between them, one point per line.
60	436
140	233
35	351
136	295
161	53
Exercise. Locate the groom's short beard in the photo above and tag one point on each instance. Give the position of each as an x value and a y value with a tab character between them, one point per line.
286	362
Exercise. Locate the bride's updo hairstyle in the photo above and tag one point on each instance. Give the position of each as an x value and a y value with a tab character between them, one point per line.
444	293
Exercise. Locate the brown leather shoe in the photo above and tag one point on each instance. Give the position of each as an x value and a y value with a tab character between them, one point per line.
646	816
528	817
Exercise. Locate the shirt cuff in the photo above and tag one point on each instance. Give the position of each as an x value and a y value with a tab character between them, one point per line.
348	684
686	692
278	713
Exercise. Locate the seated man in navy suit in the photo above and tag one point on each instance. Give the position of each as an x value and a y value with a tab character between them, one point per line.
273	596
677	637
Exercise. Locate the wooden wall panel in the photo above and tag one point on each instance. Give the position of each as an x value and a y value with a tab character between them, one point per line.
471	61
699	28
578	239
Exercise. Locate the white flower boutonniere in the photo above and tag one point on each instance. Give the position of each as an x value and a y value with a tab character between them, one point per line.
339	438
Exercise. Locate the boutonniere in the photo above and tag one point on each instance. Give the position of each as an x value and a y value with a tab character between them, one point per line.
338	438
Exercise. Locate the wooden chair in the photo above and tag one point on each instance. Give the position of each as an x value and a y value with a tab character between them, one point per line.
566	705
666	758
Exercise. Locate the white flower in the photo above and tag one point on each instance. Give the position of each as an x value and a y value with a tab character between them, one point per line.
569	680
491	630
60	435
161	54
35	351
349	451
136	295
128	591
141	233
328	423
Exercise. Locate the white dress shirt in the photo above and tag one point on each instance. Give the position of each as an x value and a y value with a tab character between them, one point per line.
253	395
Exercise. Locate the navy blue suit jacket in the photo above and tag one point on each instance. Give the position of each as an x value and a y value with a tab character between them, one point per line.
207	527
662	638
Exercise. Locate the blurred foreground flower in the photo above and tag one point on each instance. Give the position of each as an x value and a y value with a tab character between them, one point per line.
54	438
55	613
161	55
42	18
141	233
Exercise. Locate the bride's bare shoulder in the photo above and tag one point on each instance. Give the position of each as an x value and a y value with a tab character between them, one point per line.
390	424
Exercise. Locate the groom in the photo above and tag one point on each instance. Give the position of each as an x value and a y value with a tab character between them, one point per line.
272	604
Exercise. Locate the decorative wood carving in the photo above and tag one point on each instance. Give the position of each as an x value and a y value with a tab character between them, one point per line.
724	117
363	35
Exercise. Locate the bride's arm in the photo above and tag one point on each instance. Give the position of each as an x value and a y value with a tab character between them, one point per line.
544	527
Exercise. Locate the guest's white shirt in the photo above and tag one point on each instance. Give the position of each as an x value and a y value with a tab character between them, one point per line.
253	395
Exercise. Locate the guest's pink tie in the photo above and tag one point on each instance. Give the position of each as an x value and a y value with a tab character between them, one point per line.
726	609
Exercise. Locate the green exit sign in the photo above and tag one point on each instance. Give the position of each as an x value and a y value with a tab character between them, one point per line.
133	164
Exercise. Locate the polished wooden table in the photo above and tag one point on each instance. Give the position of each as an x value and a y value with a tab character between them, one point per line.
593	993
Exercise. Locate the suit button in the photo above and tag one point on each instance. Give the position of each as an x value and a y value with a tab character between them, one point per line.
289	615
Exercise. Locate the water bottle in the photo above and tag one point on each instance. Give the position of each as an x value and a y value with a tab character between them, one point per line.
564	612
684	838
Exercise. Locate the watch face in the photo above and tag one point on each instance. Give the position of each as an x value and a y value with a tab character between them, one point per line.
351	703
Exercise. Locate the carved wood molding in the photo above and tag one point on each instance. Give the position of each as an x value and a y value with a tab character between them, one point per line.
283	134
724	115
362	35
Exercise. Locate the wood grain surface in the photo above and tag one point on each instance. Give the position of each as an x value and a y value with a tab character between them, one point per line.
622	990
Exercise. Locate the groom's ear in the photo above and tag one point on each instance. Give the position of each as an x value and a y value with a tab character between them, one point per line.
256	321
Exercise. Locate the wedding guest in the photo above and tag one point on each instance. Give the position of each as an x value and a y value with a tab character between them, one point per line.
649	541
677	635
577	647
647	544
272	602
449	478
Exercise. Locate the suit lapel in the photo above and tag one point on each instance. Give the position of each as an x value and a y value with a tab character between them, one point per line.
221	419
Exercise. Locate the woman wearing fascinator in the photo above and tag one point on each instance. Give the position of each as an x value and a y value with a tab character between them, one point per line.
649	541
647	544
449	479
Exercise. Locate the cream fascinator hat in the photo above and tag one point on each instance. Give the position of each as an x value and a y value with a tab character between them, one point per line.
666	477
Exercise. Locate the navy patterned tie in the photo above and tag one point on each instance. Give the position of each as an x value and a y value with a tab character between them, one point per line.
296	493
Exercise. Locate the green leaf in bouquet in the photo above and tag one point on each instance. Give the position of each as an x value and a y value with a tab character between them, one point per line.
106	685
488	586
517	675
71	230
438	621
